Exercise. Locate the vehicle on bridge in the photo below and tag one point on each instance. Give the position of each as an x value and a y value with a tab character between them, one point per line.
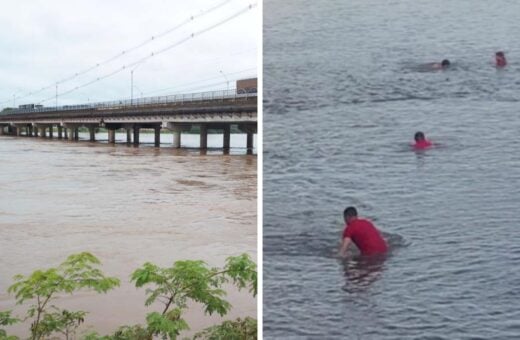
247	85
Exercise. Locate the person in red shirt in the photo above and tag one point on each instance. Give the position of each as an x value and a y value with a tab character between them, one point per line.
421	142
500	59
363	233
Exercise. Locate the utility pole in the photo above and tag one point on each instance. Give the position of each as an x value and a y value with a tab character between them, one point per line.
132	87
132	81
227	80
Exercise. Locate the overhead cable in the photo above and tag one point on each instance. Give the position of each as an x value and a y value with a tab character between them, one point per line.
124	52
153	54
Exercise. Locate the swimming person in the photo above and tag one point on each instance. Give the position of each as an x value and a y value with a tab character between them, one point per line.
500	59
363	233
435	66
442	66
421	142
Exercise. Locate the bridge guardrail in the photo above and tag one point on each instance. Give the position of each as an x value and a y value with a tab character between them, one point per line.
170	99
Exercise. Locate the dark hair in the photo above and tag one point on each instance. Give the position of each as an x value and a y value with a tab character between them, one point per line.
349	212
499	54
445	62
419	136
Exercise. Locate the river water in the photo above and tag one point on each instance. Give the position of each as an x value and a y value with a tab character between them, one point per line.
127	206
343	98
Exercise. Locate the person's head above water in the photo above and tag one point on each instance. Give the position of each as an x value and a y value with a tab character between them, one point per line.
500	59
421	142
349	213
445	63
419	136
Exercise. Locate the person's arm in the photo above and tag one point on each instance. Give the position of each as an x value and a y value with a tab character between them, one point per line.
344	246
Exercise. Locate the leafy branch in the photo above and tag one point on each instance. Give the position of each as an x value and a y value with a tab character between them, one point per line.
78	271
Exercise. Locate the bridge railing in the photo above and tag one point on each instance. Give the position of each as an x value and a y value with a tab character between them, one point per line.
232	94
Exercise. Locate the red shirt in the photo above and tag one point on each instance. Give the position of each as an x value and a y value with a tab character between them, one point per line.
366	237
422	144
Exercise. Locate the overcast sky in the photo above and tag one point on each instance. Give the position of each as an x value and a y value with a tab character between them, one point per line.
44	41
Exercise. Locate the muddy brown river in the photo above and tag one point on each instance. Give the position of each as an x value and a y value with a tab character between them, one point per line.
127	206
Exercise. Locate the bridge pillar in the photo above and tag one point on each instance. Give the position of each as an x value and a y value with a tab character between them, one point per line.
35	131
249	129
76	133
65	133
157	138
203	136
18	131
136	135
128	135
1	130
92	131
60	132
249	142
29	131
227	136
51	128
43	132
177	131
177	139
111	136
71	133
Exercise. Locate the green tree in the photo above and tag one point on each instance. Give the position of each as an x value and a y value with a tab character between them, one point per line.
175	286
6	320
78	272
238	329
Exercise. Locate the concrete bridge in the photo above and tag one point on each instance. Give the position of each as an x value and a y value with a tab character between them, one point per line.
216	110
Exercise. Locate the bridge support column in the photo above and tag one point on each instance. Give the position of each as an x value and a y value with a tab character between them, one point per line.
128	136
136	135
177	139
71	133
18	131
65	133
29	131
35	131
92	131
111	136
177	132
227	137
76	133
51	128
157	139
1	130
43	132
60	132
203	136
249	142
249	129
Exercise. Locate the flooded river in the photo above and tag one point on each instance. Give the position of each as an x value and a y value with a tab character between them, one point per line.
127	206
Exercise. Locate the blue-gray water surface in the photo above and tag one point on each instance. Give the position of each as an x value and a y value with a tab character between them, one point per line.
343	96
